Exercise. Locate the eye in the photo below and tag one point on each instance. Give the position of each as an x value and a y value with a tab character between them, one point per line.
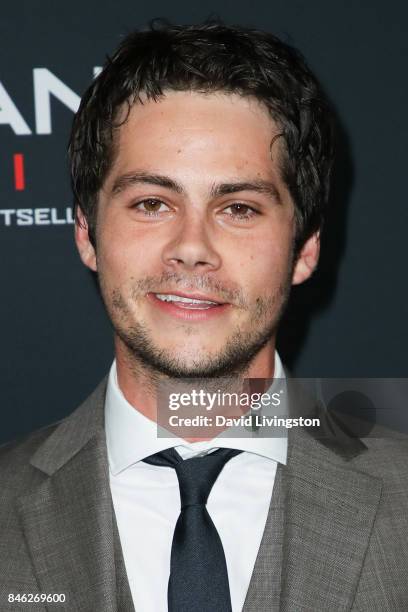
151	207
240	211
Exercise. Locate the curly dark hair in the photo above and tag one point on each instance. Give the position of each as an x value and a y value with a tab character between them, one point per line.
210	57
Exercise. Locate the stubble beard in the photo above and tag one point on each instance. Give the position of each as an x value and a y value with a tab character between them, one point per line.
232	361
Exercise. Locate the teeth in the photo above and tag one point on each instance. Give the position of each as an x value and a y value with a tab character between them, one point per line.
168	297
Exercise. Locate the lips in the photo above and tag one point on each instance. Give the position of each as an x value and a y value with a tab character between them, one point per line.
189	302
197	307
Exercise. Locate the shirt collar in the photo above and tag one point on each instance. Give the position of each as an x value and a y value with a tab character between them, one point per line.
130	436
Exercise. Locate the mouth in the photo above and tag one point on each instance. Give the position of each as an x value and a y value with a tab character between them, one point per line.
190	307
187	301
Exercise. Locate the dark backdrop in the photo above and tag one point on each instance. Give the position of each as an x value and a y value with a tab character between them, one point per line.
350	320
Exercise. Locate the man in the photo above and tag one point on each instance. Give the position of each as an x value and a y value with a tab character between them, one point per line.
200	165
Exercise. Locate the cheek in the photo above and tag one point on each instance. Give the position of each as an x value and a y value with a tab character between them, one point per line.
124	254
264	263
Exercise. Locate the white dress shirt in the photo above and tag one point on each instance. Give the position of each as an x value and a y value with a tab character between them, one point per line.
146	498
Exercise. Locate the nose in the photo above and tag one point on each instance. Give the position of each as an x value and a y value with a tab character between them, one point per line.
190	246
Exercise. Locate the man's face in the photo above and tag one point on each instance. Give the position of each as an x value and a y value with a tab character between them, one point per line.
195	232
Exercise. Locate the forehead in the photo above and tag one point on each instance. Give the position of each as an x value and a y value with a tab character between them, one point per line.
207	105
215	129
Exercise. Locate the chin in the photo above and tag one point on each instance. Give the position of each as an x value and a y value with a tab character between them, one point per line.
195	362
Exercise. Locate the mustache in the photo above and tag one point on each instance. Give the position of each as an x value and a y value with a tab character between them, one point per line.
171	280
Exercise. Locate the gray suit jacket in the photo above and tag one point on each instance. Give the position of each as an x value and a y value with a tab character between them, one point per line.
336	536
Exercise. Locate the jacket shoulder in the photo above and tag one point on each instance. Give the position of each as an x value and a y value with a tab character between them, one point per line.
22	467
16	472
26	443
386	455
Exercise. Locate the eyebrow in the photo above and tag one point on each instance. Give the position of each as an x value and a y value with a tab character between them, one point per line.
127	180
258	185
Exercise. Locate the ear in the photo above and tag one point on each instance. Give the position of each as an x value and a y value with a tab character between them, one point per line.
84	245
307	259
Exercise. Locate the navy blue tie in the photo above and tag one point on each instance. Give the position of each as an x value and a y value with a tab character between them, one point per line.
198	571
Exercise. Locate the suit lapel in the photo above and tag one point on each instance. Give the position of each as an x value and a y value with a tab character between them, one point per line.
68	519
329	517
265	586
124	596
317	531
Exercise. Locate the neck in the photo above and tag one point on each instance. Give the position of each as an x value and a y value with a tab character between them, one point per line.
139	383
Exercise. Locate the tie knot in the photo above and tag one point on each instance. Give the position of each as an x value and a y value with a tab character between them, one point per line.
197	475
